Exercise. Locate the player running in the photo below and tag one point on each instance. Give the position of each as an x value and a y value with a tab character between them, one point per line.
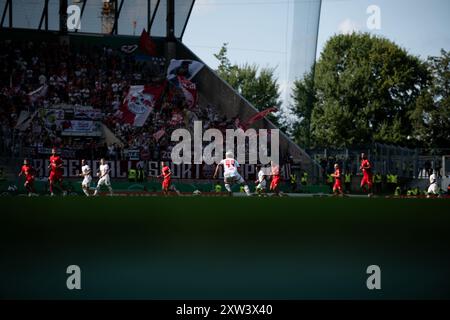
56	172
87	178
337	175
367	179
274	184
261	182
231	174
433	189
28	171
103	176
166	175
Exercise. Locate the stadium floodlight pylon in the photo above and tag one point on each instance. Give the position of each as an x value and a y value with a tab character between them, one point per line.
305	31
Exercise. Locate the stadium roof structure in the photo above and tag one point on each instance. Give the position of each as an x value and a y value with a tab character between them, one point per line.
164	18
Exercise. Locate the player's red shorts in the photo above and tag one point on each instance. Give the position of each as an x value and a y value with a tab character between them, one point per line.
55	176
166	184
29	180
367	179
275	182
337	185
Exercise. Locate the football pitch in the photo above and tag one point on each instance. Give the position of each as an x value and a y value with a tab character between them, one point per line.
224	247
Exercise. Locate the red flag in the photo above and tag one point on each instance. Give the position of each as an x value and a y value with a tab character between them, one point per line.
146	44
139	102
259	116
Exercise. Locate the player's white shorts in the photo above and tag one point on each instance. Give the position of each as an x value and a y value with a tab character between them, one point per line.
433	188
262	185
233	178
86	181
104	181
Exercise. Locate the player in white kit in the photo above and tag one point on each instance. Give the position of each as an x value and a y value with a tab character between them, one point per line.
231	174
104	179
261	182
87	178
434	187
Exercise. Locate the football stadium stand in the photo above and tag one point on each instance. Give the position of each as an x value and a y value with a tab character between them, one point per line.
75	91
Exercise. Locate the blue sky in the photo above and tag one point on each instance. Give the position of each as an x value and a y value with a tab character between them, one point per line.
260	31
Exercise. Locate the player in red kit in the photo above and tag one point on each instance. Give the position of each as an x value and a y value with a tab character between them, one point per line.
367	179
56	172
165	174
28	171
275	178
337	175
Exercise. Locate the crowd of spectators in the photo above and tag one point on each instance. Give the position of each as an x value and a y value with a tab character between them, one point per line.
37	75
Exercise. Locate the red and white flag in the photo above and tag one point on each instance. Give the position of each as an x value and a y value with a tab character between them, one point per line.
139	102
189	90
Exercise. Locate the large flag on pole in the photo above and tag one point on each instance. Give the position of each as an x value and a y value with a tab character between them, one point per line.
139	102
191	68
187	88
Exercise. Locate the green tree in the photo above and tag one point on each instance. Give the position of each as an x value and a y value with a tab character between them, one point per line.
303	96
258	85
366	87
431	116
